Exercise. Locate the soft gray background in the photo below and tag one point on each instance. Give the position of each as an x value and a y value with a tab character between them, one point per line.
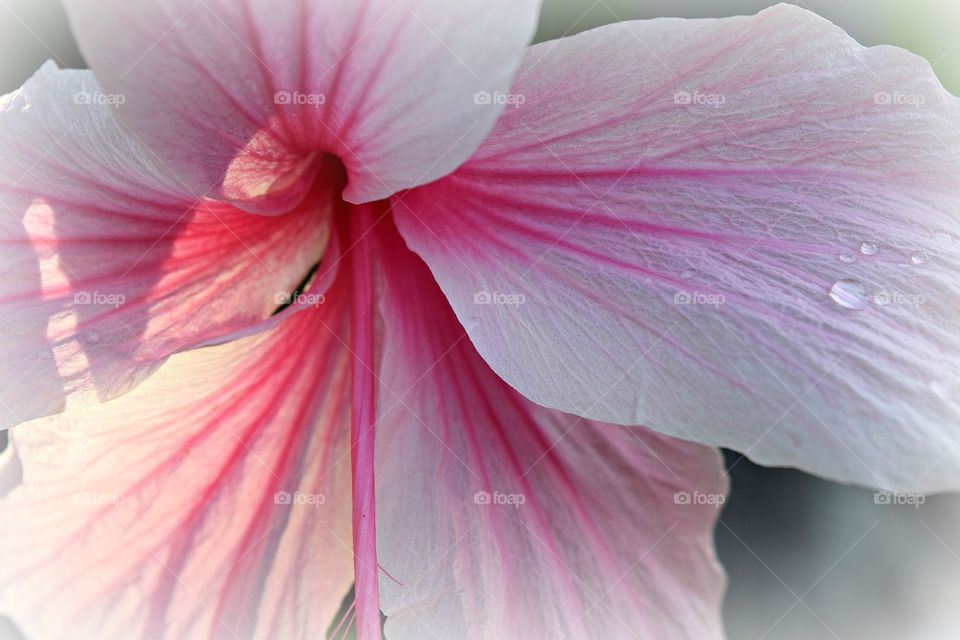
806	558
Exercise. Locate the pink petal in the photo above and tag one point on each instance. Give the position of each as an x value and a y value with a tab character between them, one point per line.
599	547
240	97
673	200
107	265
163	513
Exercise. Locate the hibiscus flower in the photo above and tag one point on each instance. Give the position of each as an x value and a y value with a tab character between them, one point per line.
306	296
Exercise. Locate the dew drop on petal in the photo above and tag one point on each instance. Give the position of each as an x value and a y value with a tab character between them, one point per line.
920	257
847	257
944	238
92	336
869	248
688	274
849	294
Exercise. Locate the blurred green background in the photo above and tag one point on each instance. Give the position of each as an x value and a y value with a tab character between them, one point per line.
930	28
806	558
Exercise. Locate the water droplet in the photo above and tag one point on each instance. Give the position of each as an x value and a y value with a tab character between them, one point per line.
688	274
847	257
869	248
944	238
849	294
92	336
920	257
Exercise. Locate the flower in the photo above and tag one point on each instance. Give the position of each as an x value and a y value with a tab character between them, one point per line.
520	250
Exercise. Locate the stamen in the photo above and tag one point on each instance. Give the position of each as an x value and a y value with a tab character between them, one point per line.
362	419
